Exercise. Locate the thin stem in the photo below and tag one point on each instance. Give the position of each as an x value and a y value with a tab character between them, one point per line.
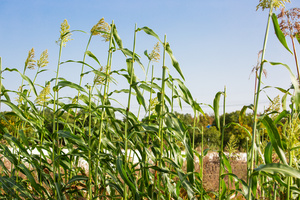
162	108
295	56
89	148
131	65
108	64
222	141
54	132
257	98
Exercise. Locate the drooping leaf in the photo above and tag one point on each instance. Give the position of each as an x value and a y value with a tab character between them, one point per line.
284	169
62	84
91	55
174	61
149	31
295	82
279	33
26	78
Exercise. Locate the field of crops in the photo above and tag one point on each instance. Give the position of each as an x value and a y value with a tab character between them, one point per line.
85	147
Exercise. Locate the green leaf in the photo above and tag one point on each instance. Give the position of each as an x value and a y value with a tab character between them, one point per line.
189	157
15	109
62	84
216	109
117	37
279	33
237	124
91	55
30	177
65	134
268	153
274	137
283	114
174	61
298	37
31	85
124	176
295	83
136	57
279	168
149	31
4	92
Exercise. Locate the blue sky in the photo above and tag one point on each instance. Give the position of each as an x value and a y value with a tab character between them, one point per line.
216	42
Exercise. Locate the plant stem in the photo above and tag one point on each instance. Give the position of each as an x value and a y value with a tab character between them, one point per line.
257	98
222	141
128	107
54	132
108	64
89	148
296	59
162	103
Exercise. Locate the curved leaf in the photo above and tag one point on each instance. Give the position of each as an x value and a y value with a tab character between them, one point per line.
174	61
279	168
279	33
216	109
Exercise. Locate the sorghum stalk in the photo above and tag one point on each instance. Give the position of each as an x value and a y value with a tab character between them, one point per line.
256	98
128	107
64	37
296	59
162	108
222	140
55	137
104	100
89	148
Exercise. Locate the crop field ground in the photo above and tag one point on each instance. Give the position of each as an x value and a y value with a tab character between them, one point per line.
151	153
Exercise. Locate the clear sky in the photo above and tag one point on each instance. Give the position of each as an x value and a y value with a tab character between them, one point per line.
216	42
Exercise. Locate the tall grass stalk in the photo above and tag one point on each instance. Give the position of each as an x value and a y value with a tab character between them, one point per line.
54	132
64	37
256	98
108	64
162	106
89	146
161	112
222	141
131	74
